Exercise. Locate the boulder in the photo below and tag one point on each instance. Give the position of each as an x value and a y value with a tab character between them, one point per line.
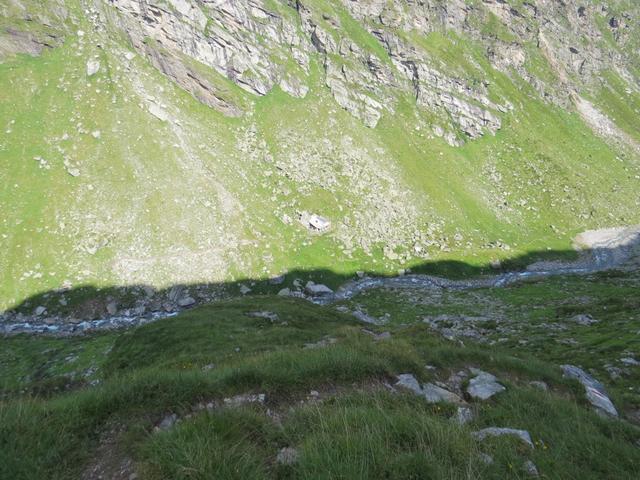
434	394
317	289
93	67
594	390
483	386
408	382
186	301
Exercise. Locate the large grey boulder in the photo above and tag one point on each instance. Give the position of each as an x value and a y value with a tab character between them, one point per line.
595	391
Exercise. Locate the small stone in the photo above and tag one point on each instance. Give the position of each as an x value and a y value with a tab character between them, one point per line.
317	289
285	292
74	172
93	66
486	459
382	336
539	385
271	316
325	342
168	422
244	289
287	456
463	415
531	468
632	362
582	319
96	134
497	432
186	301
112	308
245	399
40	310
366	318
279	280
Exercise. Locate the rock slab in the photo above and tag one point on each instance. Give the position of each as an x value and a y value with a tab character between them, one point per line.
595	391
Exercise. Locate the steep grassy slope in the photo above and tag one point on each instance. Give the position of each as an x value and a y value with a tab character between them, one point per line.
123	178
92	406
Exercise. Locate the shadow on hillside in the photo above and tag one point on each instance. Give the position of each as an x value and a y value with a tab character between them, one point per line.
88	302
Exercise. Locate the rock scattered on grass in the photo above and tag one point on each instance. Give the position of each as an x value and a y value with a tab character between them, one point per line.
539	385
595	391
186	301
93	67
287	456
247	398
632	362
583	319
484	385
167	422
325	342
498	431
408	382
377	336
277	280
317	289
366	318
531	468
464	415
271	316
434	394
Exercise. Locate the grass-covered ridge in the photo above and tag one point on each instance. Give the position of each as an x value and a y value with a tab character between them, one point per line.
95	403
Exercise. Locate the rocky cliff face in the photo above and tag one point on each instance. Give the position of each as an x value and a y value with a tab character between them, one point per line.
259	44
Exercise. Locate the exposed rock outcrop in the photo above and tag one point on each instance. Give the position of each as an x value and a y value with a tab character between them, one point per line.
259	45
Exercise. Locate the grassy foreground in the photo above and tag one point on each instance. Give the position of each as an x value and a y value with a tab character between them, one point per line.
85	407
